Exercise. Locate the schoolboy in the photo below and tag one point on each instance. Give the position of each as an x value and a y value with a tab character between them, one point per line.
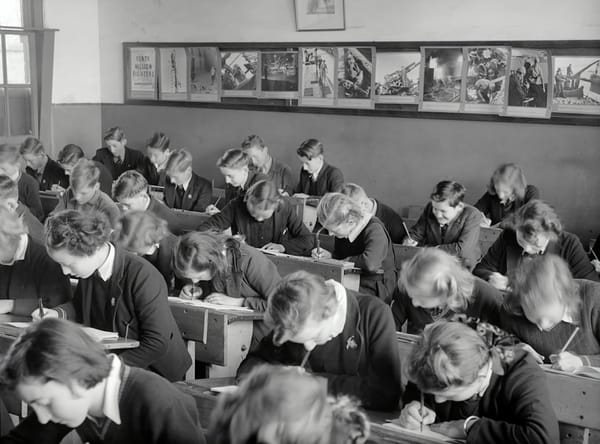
273	170
184	189
11	164
46	171
117	157
9	199
70	155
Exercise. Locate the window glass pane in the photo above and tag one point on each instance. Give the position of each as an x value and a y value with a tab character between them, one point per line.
19	109
3	113
17	58
11	13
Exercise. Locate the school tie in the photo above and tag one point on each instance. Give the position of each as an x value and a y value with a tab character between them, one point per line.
180	194
117	161
443	230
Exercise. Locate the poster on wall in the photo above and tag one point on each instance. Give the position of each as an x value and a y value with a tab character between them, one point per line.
205	80
238	73
576	84
529	83
279	74
355	77
441	79
397	77
317	76
142	73
173	74
485	91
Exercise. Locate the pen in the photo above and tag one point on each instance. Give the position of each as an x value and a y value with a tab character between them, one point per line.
562	350
594	254
406	229
305	359
318	242
217	201
421	410
40	308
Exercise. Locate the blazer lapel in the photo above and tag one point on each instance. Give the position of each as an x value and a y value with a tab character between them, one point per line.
190	193
352	340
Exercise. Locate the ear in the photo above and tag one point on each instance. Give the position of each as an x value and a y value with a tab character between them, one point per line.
460	206
124	141
77	389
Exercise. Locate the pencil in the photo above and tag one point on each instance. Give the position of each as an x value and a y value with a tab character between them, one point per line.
421	410
562	350
406	229
594	254
305	359
40	308
318	241
217	201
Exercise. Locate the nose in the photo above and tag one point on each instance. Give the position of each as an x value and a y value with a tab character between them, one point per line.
42	414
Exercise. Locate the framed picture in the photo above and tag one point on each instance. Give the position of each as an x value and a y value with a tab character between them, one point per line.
355	77
576	84
319	15
397	77
317	76
205	80
485	91
141	82
238	73
173	74
529	83
441	79
279	74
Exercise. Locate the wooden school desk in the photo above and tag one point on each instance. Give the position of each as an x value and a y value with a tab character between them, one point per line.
49	200
215	335
344	272
306	208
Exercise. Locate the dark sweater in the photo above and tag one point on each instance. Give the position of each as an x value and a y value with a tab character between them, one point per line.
139	310
515	407
492	208
36	276
163	257
99	202
133	160
152	411
281	175
53	174
392	222
33	224
484	305
363	361
462	235
372	251
232	192
505	255
284	227
330	179
29	195
586	343
197	196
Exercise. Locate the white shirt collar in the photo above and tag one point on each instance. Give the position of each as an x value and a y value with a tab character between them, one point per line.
110	405
359	227
342	298
22	248
106	269
186	184
316	173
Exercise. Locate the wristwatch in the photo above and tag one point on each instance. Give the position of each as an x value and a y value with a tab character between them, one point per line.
469	423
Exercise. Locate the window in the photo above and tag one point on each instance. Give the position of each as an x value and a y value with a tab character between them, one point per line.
18	88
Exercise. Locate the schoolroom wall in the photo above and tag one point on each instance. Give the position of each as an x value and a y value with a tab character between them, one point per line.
397	159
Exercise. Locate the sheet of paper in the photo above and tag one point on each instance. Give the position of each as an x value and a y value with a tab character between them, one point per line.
425	433
224	389
19	324
101	335
199	303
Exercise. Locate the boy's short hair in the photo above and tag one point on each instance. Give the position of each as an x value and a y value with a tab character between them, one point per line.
10	154
447	354
535	217
263	195
310	148
80	233
511	174
234	158
158	141
31	145
335	209
115	133
8	188
297	297
179	161
70	153
448	190
85	174
129	184
54	350
253	141
354	192
140	230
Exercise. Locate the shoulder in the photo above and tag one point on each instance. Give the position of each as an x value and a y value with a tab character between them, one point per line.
568	239
332	170
368	305
589	292
470	212
150	391
137	268
106	201
374	227
27	181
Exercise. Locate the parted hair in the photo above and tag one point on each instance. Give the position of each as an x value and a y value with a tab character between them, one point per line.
310	148
85	174
54	350
129	184
179	160
447	354
234	158
31	145
11	229
509	174
263	195
540	280
535	217
277	404
70	153
253	141
448	190
139	230
115	133
158	141
297	297
445	273
354	191
8	188
80	233
335	209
